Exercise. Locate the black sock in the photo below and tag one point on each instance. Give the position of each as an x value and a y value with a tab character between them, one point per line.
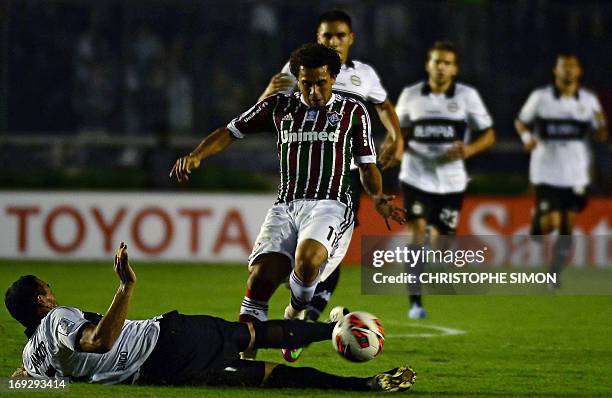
290	333
293	377
536	226
322	295
414	289
562	251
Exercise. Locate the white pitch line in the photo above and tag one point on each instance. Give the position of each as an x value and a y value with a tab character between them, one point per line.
443	331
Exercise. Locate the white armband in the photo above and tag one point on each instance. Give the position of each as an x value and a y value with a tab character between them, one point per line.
526	137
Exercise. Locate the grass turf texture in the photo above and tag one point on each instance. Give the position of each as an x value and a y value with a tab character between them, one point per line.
538	346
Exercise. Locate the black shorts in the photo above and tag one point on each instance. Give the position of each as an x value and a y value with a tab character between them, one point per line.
550	198
200	349
438	210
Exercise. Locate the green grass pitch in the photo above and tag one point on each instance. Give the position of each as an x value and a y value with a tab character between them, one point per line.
537	346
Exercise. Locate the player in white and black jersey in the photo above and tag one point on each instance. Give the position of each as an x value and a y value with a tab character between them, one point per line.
356	80
172	349
555	124
318	133
444	122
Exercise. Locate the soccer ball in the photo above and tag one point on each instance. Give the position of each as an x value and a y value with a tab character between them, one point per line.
358	336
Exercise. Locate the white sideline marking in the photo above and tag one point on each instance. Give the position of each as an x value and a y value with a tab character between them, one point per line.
443	331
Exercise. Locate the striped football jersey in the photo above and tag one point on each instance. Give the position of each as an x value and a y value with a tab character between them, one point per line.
315	146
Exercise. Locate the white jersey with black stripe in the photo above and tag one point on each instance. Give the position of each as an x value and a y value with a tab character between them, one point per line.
434	122
562	124
356	80
53	349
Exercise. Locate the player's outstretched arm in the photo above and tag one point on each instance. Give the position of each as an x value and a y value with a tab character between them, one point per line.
101	337
279	82
214	143
372	183
392	149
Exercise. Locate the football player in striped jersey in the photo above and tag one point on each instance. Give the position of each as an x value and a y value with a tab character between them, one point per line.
318	133
170	349
356	80
444	122
554	125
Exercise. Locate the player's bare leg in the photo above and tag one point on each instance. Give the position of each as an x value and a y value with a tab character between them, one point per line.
310	255
267	272
550	221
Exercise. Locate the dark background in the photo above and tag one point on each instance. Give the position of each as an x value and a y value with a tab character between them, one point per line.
94	85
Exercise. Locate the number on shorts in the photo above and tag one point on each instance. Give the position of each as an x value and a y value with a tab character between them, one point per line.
449	217
331	232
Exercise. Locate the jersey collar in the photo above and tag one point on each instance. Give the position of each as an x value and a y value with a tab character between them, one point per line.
450	93
349	63
557	93
331	100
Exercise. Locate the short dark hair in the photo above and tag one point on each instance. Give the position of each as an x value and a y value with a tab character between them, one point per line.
313	55
20	300
335	16
566	55
444	45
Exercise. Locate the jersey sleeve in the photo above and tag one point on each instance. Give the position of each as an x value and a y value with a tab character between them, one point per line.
401	108
529	110
377	93
257	119
478	117
363	145
67	323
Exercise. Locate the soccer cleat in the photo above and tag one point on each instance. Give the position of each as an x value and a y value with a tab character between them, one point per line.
398	379
337	313
292	313
291	355
249	354
416	312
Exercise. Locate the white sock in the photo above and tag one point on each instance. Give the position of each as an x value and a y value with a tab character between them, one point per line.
258	309
301	293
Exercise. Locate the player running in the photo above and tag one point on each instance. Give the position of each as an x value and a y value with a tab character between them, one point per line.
319	133
554	125
444	122
172	349
356	80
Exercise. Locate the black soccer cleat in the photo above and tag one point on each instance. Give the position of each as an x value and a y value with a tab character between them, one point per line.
398	379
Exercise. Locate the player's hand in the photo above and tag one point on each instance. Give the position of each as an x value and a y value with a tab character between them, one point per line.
459	150
385	207
122	266
20	372
279	82
183	166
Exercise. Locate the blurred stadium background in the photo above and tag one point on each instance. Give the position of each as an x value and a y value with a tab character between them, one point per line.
88	88
101	96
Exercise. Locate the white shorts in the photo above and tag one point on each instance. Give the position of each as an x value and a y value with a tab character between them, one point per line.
329	222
